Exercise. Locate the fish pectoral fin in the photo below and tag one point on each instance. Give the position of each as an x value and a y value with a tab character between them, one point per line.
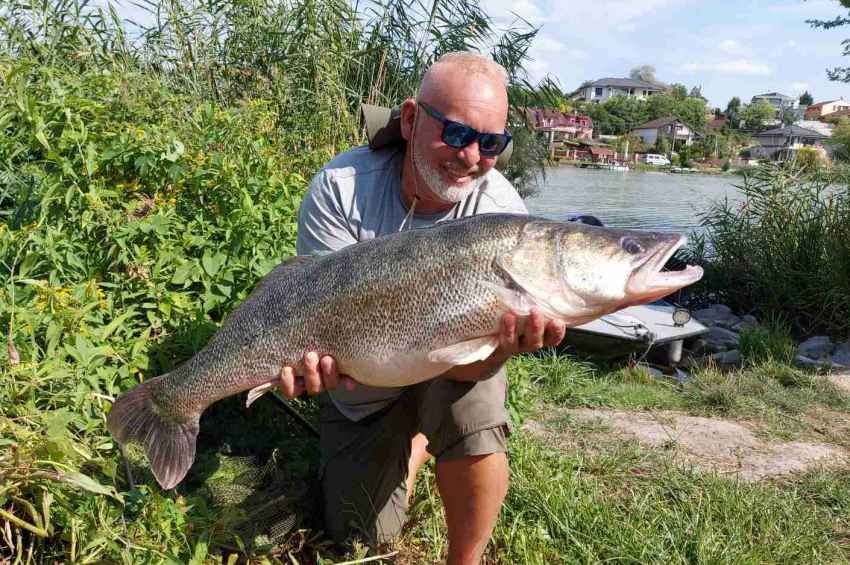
516	301
465	352
259	391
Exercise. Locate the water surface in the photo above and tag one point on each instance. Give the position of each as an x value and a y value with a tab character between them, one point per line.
640	200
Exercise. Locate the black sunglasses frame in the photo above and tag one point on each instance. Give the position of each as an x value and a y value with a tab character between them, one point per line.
466	134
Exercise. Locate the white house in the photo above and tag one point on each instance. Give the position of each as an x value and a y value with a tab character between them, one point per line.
670	127
604	88
780	103
815	111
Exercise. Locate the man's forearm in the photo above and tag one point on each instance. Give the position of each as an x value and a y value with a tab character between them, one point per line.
480	370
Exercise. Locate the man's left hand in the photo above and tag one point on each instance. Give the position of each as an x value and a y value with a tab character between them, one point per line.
537	332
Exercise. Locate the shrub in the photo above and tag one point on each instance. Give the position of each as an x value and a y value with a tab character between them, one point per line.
784	251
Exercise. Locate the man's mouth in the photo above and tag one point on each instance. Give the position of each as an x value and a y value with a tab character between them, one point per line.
460	177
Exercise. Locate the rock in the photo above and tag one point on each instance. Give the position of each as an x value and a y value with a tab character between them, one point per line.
841	354
728	321
817	348
747	322
721	308
803	361
731	357
698	348
716	315
720	339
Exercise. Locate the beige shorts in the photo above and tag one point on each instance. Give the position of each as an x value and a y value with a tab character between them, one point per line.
364	464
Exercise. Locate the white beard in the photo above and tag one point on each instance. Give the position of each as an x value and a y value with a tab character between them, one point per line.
447	191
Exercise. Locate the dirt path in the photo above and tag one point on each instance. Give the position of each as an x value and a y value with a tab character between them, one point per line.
713	444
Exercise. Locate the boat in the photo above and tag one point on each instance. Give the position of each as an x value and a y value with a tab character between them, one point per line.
636	330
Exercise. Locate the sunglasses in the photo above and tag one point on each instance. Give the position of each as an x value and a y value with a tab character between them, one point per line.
458	135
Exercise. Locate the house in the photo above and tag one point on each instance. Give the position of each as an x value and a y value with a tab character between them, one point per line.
604	88
717	123
560	125
822	109
780	143
822	128
780	103
835	117
670	127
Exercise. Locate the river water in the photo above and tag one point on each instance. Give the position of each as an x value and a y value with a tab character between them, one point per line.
640	200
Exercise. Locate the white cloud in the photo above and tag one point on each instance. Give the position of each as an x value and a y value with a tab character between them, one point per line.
733	67
509	10
799	87
730	46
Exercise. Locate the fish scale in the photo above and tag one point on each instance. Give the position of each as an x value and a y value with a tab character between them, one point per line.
392	311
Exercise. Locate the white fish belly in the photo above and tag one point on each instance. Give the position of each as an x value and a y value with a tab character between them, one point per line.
400	370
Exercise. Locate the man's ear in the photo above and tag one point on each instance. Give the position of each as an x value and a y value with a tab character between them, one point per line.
408	117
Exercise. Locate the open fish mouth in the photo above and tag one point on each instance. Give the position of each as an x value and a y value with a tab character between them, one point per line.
650	280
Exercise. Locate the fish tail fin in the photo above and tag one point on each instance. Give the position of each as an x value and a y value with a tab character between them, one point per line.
169	444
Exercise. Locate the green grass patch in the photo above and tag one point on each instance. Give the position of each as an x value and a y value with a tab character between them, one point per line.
574	508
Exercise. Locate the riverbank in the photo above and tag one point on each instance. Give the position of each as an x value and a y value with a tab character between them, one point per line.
645	168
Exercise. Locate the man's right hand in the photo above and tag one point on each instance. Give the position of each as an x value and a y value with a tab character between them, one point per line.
319	374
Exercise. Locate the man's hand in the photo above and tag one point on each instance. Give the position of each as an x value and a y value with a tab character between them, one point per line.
319	374
537	333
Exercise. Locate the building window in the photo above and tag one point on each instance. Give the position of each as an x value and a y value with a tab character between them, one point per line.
597	92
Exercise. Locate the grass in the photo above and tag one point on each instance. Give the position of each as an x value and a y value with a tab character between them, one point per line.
586	502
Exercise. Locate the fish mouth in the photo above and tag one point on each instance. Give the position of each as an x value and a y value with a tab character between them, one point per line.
650	282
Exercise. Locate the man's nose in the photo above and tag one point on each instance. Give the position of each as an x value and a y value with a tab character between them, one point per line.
470	154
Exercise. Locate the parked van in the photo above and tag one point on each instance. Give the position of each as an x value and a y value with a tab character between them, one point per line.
655	159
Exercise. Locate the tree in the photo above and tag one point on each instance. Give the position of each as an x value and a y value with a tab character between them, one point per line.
788	116
840	74
757	115
840	141
632	111
645	73
806	99
696	92
733	111
679	90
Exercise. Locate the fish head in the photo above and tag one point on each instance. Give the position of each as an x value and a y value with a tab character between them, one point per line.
578	272
606	268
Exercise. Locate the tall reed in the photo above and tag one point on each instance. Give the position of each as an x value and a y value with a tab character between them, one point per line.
784	251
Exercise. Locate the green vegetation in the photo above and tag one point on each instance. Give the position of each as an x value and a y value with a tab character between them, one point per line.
785	252
620	114
756	115
145	187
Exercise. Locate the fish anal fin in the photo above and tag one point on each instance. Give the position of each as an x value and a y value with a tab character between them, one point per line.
259	391
465	352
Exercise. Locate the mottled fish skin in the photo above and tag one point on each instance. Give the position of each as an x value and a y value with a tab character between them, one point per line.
378	307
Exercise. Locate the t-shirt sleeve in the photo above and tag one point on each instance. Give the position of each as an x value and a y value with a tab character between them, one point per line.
323	225
500	196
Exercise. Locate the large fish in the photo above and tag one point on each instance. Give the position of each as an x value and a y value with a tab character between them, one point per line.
398	310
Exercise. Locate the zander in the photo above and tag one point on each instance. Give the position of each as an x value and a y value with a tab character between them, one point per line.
397	310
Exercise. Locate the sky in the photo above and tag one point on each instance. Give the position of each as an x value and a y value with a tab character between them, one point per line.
729	48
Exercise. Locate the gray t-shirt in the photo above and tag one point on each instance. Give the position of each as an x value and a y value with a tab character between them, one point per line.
357	196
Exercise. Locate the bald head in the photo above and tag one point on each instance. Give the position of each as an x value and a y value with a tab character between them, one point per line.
463	75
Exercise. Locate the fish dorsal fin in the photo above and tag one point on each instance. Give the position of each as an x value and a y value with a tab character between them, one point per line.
465	352
534	266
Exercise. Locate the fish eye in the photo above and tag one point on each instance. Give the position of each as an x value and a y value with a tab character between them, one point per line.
631	246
